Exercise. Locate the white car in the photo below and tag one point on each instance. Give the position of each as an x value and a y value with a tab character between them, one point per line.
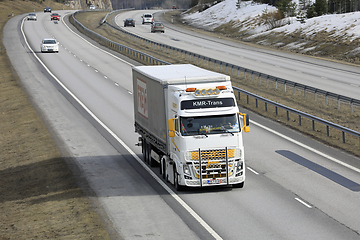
49	45
147	18
31	16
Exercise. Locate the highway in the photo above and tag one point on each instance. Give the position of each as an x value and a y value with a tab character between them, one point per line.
296	188
333	77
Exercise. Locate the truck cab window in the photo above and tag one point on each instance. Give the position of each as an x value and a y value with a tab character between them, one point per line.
191	126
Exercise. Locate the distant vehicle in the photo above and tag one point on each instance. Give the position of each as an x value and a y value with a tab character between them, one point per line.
147	18
47	9
174	7
49	45
55	16
92	7
31	16
129	22
157	27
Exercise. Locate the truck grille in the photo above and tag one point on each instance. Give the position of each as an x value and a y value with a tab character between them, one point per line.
214	154
213	170
214	164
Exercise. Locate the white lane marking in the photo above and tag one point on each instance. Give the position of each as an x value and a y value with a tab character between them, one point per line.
174	195
307	147
302	202
93	44
252	170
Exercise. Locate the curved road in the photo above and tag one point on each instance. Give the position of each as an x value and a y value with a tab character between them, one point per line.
296	188
326	75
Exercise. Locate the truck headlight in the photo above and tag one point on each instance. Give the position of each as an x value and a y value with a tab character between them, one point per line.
186	169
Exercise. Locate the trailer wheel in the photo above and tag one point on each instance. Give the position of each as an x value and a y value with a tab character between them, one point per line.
143	148
151	161
162	167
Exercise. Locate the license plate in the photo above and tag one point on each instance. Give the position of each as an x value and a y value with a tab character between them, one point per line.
214	181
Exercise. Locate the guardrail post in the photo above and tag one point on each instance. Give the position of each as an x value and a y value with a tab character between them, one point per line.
256	102
299	120
327	130
276	111
343	136
287	115
265	107
313	125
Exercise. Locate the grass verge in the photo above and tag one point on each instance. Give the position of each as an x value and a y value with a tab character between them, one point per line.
39	197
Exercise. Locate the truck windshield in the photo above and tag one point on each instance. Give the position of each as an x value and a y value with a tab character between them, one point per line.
190	126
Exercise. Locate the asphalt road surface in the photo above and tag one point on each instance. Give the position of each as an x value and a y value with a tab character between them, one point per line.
329	76
296	188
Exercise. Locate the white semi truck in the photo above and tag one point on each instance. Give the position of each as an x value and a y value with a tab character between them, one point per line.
190	125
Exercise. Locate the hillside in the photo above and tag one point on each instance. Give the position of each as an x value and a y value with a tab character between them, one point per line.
335	36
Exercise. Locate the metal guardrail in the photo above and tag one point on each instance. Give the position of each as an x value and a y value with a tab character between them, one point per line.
142	56
214	62
116	46
300	114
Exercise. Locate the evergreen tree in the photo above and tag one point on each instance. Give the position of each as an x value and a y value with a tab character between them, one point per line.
238	4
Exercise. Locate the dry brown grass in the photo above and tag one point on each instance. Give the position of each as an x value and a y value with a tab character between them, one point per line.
39	197
319	108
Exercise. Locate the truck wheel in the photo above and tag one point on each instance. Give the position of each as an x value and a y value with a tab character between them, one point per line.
239	185
176	182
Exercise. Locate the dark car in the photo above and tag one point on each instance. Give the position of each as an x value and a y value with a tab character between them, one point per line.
129	22
47	9
55	16
157	27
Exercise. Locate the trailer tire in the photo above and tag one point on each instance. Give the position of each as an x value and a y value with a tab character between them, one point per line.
162	167
143	148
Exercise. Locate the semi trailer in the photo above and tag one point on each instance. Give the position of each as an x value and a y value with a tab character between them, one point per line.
189	125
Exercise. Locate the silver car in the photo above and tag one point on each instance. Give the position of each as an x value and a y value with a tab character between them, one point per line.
49	45
157	27
147	18
31	16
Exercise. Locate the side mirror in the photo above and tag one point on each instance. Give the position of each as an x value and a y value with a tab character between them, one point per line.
171	124
246	129
246	120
